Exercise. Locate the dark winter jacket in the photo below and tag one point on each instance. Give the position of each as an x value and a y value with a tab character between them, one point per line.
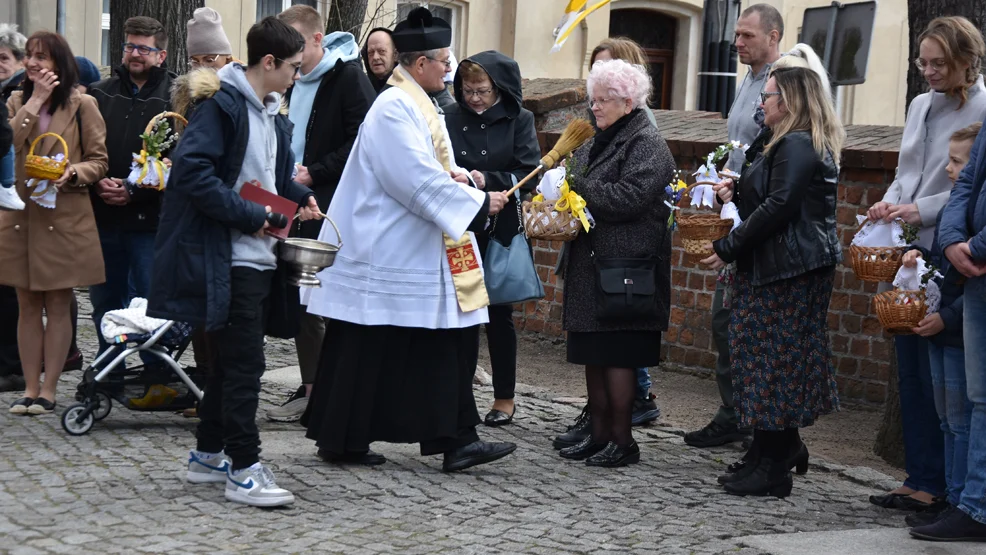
343	98
951	285
964	217
15	84
501	142
127	112
623	186
787	201
6	133
192	252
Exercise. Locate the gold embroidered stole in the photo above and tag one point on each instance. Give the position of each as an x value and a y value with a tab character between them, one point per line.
467	276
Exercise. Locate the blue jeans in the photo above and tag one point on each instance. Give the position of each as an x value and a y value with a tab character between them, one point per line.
128	257
643	384
973	499
955	413
924	443
7	176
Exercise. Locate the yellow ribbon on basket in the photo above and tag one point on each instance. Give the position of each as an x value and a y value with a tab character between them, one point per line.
146	166
570	201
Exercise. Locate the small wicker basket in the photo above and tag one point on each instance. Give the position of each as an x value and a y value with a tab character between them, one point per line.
697	230
150	125
542	221
876	264
900	311
44	167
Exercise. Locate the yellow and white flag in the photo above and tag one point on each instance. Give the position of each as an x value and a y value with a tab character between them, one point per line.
575	12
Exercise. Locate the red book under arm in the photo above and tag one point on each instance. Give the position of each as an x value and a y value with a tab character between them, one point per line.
254	192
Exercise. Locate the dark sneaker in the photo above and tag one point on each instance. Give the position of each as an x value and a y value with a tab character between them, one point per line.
714	434
292	410
578	431
645	410
957	526
929	516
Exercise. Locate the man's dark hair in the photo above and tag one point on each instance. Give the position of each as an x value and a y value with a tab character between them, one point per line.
274	37
770	18
142	26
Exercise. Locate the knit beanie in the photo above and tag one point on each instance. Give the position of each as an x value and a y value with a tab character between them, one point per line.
206	35
88	72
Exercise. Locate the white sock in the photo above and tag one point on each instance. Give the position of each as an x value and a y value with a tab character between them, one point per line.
202	455
254	466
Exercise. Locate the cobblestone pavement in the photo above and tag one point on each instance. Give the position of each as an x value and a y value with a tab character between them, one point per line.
120	489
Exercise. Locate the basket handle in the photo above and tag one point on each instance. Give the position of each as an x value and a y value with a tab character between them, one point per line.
150	125
49	134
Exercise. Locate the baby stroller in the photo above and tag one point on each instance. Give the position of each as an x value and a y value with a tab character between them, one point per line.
161	385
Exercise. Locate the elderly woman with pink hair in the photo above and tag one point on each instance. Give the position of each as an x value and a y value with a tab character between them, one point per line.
618	275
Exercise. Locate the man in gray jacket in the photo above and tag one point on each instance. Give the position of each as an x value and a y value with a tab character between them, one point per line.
758	36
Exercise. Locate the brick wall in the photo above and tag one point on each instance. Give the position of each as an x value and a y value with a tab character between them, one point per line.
862	350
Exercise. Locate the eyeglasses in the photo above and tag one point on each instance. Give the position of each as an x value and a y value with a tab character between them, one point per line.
202	60
297	66
478	93
765	95
130	47
597	101
937	64
446	63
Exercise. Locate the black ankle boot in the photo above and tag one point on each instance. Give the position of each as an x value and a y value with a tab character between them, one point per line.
799	461
582	450
576	432
613	456
768	478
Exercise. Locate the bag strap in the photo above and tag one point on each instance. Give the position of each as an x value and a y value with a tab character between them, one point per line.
78	123
520	214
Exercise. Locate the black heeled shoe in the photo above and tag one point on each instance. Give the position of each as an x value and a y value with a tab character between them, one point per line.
799	462
582	450
613	456
768	478
496	418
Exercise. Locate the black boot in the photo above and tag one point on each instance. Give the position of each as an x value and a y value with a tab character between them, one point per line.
583	450
768	478
578	431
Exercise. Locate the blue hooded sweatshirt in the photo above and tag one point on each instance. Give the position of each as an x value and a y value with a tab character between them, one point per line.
336	47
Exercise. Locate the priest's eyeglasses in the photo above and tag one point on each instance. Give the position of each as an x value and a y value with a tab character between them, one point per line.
478	93
447	63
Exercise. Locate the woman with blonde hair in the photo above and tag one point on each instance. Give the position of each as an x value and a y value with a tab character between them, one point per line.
785	252
950	58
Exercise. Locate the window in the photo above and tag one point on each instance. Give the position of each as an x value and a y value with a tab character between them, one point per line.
443	9
273	7
104	54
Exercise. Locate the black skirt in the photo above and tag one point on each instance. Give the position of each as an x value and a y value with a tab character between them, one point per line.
615	349
394	384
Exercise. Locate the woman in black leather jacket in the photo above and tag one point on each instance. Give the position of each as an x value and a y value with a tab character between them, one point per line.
785	251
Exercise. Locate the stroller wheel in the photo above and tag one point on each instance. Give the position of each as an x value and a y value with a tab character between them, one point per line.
70	416
105	404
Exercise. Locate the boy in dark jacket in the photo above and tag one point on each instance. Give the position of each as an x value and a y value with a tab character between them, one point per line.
213	262
327	106
946	349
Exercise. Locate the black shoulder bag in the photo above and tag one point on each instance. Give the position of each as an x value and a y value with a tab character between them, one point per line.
626	288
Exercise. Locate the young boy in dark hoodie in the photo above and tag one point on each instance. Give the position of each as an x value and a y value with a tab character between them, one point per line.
214	263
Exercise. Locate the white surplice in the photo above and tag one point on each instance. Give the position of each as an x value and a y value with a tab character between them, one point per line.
392	205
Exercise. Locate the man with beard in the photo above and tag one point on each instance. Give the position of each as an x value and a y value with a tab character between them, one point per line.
127	216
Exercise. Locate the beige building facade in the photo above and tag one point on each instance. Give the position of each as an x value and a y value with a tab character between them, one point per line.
671	31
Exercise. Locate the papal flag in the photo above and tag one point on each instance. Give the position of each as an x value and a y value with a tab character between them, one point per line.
575	12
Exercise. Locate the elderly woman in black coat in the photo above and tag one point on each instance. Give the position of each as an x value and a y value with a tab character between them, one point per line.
494	136
621	174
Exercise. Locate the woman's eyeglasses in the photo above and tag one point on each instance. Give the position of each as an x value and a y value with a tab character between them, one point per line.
765	95
479	93
937	64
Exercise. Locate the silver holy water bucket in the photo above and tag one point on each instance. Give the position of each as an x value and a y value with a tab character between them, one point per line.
308	257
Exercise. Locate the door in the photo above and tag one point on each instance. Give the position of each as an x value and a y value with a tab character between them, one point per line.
656	34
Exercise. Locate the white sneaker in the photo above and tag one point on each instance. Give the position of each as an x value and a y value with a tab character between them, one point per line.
255	486
9	200
207	470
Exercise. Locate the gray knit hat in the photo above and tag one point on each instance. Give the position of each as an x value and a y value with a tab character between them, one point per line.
206	35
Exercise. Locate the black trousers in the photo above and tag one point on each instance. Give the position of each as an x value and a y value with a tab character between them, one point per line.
10	361
502	339
228	411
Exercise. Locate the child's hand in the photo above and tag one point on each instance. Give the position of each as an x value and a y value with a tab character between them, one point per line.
911	258
931	325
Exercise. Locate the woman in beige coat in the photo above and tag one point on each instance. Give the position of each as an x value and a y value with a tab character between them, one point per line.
45	252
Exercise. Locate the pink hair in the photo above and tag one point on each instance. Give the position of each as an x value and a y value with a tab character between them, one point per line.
621	80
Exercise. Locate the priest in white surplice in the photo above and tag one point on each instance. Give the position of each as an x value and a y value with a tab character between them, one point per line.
405	296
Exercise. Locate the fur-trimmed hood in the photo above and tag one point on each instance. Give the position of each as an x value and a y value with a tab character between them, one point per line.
198	85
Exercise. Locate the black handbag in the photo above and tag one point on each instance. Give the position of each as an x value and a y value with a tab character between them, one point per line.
626	288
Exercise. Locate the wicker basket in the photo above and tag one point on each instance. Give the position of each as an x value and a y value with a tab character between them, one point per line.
900	311
43	167
876	264
698	230
150	125
542	221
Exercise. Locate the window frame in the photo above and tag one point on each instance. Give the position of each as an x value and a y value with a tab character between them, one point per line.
285	4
